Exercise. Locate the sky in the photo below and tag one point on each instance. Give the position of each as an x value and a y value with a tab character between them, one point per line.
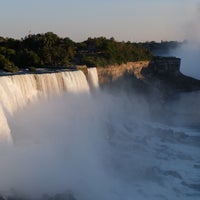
125	20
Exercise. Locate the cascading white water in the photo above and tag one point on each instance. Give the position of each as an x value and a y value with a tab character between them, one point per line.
93	78
75	82
80	143
5	136
18	90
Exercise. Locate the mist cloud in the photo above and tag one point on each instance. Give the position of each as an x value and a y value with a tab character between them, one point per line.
97	146
63	144
190	50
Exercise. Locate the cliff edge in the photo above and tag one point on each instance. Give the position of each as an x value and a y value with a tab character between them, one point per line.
161	72
164	72
114	72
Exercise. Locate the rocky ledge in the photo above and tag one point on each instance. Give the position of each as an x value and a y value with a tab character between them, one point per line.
165	72
161	72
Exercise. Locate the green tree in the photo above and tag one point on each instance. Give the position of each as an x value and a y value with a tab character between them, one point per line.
6	65
27	58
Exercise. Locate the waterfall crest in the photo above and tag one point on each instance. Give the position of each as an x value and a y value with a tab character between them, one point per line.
93	78
17	91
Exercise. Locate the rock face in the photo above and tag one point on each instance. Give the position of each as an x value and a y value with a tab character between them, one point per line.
163	66
160	72
164	72
114	72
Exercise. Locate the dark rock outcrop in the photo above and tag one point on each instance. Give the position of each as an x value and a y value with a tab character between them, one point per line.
162	73
162	66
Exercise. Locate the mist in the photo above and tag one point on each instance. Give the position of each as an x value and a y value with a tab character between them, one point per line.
94	146
190	49
62	144
190	60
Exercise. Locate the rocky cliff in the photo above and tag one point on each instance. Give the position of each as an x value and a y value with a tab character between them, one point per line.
162	66
164	72
160	72
114	72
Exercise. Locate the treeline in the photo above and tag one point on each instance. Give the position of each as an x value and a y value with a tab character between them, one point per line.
41	50
50	50
102	52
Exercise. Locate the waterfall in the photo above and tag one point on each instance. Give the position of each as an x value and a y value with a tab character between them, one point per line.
93	78
17	91
5	136
75	82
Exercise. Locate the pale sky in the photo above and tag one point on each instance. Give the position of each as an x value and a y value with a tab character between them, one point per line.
133	20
